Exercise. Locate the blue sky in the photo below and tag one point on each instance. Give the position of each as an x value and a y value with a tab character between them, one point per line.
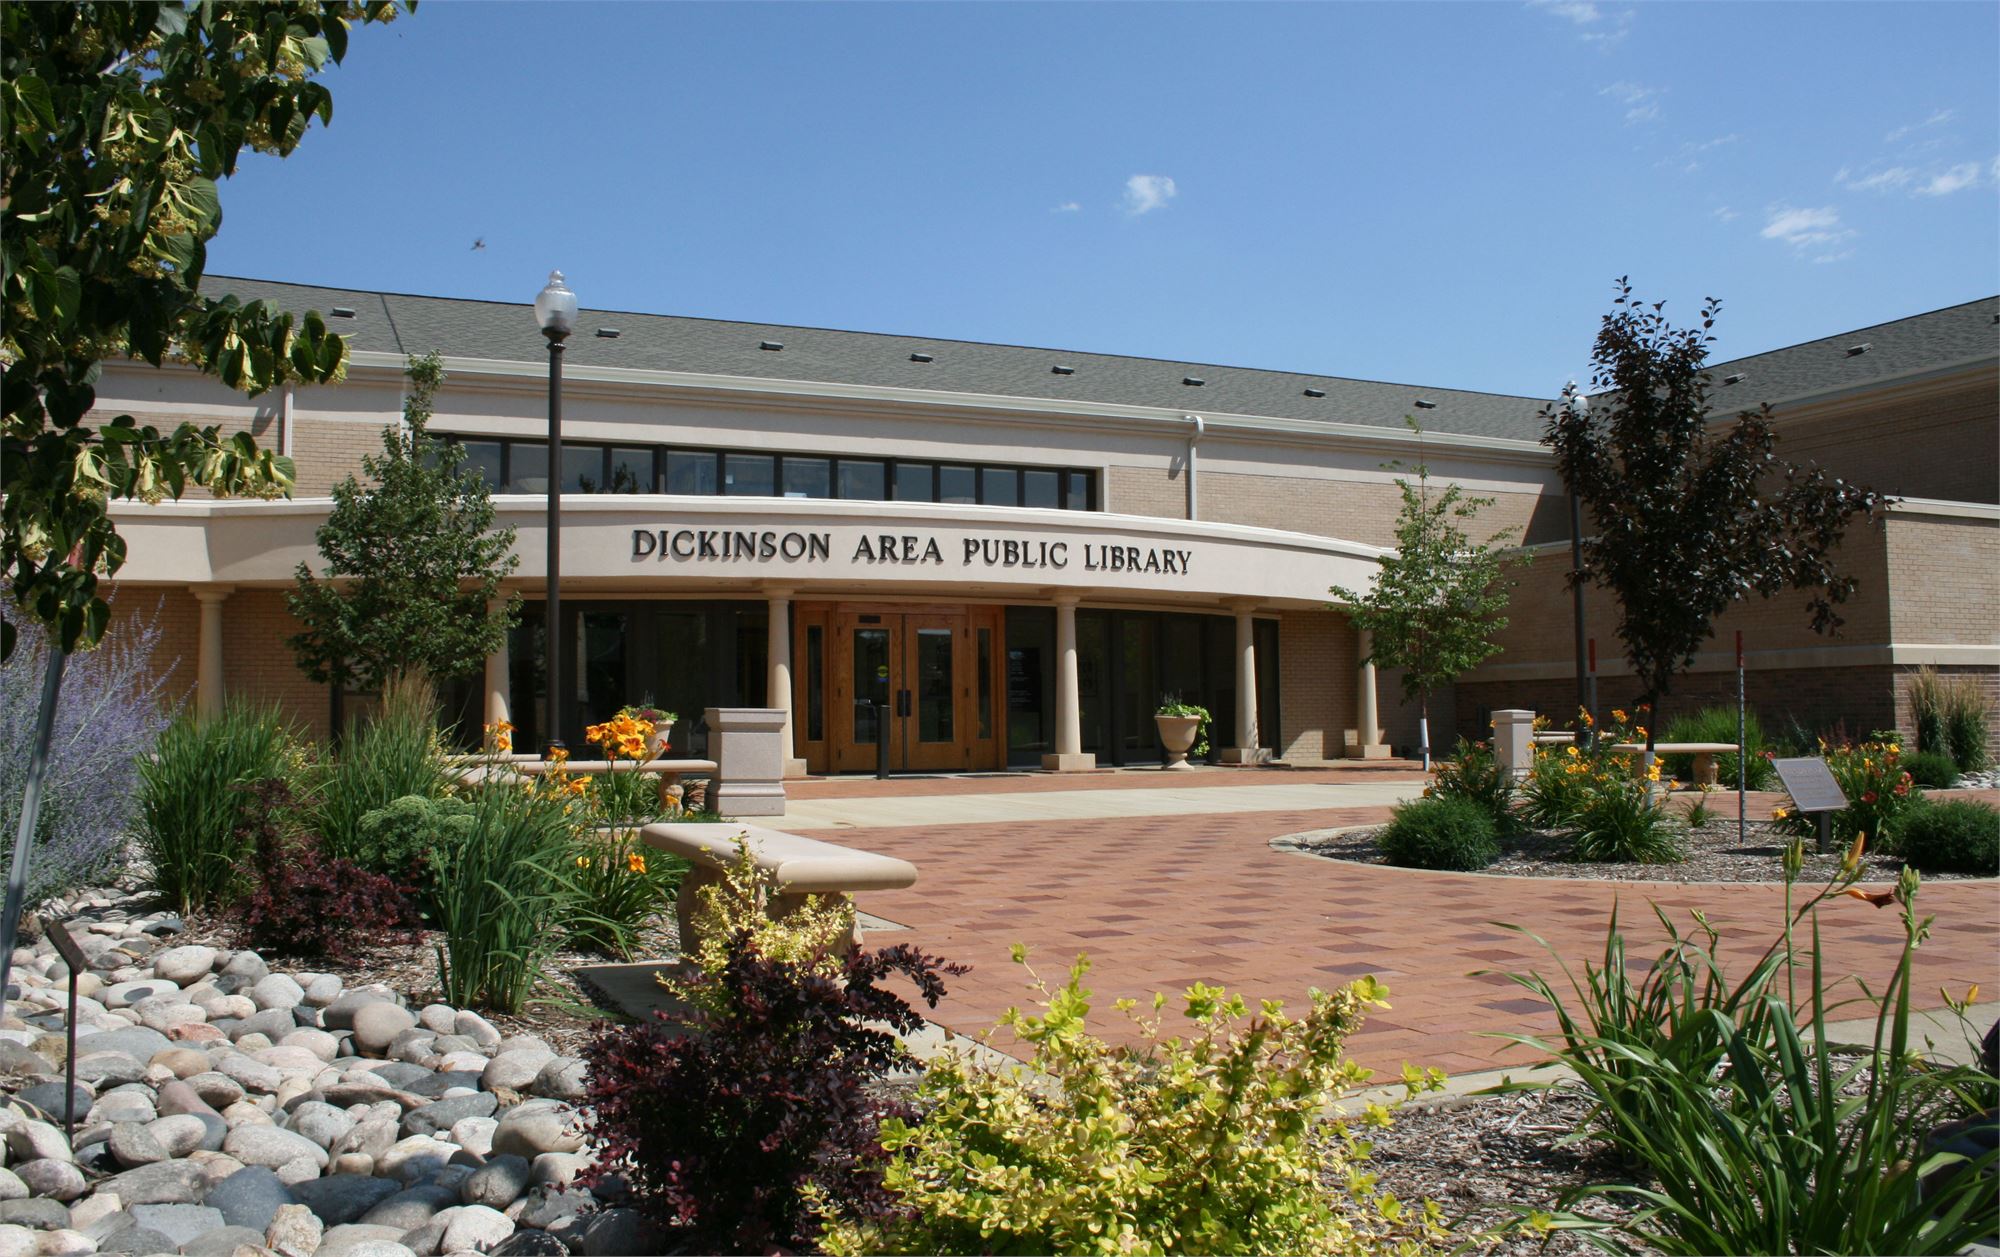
1434	193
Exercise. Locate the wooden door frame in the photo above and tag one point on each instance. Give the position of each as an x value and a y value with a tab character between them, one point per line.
835	751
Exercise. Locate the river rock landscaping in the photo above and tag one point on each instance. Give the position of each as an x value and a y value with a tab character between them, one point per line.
227	1106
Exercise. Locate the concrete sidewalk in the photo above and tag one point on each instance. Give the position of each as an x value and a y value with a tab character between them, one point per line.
1169	798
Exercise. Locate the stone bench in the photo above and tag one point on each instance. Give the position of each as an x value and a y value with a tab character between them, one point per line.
1705	772
796	866
520	768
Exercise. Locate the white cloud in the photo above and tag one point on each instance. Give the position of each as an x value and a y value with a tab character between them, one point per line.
1581	12
1642	103
1806	229
1958	178
1688	156
1841	256
1146	193
1724	214
1936	119
1879	181
1067	207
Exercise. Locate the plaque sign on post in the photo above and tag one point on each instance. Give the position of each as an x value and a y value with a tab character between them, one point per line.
72	956
1812	787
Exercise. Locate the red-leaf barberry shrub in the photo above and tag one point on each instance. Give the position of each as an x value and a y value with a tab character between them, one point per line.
727	1126
303	902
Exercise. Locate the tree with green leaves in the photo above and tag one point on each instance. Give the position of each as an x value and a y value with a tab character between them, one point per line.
1685	518
1436	600
116	122
413	562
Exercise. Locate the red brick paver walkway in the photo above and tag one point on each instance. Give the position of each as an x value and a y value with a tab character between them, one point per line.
1160	902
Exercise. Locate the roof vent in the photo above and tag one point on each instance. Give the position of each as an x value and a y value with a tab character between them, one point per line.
1421	404
1193	381
1315	392
1733	379
607	333
342	312
920	358
772	345
1060	369
1855	351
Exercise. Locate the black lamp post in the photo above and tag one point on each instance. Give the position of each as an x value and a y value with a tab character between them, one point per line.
555	310
1586	685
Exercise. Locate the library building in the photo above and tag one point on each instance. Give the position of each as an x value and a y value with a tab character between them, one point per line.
985	557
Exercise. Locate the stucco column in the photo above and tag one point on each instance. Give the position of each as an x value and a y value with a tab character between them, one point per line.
208	653
498	670
1367	743
778	686
1246	750
1069	754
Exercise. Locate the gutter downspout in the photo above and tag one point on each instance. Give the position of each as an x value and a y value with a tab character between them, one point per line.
1194	437
285	422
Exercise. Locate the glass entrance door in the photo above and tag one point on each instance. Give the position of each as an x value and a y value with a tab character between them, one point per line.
923	681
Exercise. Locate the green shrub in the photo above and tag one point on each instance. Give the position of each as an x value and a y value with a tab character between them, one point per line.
1966	716
1928	704
620	885
188	813
1208	1143
1556	788
1473	773
500	899
1441	832
1718	724
1959	836
1620	823
392	757
1878	790
405	835
1753	1134
1932	770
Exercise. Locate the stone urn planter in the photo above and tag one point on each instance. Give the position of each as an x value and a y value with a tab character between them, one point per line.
1177	735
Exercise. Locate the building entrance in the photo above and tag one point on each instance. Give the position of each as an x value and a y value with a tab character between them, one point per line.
927	678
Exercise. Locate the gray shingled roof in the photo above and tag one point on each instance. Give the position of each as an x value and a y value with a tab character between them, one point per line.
401	324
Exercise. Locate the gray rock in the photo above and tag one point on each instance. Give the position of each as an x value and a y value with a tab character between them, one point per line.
48	1097
125	994
345	1197
108	1069
416	1157
441	1018
133	1145
528	1243
428	1239
11	1186
29	1140
529	1130
498	1183
339	1015
216	1090
545	1208
358	1240
163	925
179	1223
272	1023
476	1028
515	1070
183	965
275	990
58	1180
124	1104
618	1232
136	1240
250	1197
523	1043
477	1228
181	1096
135	1041
15	1059
559	1169
564	1078
321	1044
398	1074
320	1122
271	1146
376	1025
412	1207
442	1115
224	1241
372	1136
181	1133
164	1183
322	990
246	964
434	1085
35	1212
254	1075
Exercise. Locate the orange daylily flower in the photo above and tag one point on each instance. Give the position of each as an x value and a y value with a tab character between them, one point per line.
1880	898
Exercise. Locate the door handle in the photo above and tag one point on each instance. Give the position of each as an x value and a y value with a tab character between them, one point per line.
902	702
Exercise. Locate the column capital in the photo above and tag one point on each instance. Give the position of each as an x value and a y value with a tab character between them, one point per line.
1244	606
211	593
1063	597
777	593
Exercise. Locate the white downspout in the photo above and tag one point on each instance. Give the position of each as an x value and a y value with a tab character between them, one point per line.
285	422
1194	437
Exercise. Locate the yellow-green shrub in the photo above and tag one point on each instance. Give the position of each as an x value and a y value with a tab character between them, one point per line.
734	914
1216	1143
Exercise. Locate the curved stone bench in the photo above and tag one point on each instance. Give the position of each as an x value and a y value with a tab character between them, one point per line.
796	866
518	768
1706	771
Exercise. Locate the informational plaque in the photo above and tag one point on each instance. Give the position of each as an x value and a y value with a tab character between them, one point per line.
66	948
1811	784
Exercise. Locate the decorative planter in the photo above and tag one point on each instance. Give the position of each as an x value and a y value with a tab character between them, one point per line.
656	742
1177	735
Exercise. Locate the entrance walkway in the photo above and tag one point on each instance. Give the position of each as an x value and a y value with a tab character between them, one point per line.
1171	884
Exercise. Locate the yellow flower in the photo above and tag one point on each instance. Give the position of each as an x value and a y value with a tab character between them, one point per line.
1618	714
634	862
583	862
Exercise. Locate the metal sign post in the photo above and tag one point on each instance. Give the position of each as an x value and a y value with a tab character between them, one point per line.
1814	791
1742	748
72	956
1590	692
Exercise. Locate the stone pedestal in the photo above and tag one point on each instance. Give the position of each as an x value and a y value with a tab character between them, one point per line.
748	747
1514	741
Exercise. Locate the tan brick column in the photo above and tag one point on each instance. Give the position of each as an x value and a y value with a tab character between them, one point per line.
208	654
1367	714
1246	750
1069	754
498	674
778	675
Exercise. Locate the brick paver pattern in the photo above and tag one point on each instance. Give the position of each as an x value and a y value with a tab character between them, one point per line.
1162	902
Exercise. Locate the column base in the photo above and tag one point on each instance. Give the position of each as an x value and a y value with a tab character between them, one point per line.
1372	750
1246	754
794	769
1082	762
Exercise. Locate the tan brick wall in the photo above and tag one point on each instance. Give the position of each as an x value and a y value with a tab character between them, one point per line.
257	664
328	451
1155	491
179	618
1988	681
1317	690
1944	573
1945	445
1354	510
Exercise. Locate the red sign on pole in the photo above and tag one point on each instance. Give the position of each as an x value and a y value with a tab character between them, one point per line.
1739	648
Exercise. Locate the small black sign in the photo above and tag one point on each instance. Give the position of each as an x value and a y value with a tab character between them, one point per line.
1811	784
66	948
